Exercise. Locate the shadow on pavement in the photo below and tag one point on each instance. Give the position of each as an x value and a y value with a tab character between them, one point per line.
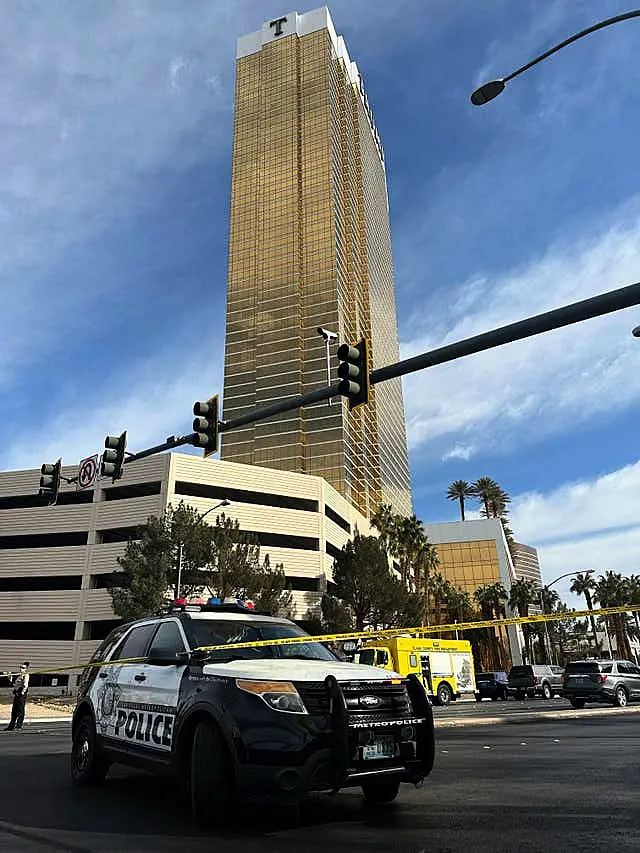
35	791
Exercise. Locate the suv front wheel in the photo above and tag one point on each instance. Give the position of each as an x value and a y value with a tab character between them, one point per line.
546	691
620	699
211	778
88	767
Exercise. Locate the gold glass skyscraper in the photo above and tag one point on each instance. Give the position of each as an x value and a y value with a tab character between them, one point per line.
310	247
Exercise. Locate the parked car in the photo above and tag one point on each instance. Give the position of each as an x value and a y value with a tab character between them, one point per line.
611	681
492	685
534	680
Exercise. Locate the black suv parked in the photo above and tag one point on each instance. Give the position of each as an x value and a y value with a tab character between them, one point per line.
611	681
492	685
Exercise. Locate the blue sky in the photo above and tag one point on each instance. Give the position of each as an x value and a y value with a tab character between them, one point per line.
115	142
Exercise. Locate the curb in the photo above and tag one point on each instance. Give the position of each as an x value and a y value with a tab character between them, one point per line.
37	720
535	717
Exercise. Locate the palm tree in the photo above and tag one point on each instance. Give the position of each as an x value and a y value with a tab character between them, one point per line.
491	599
384	522
634	598
522	595
439	589
583	584
485	489
611	590
426	561
458	491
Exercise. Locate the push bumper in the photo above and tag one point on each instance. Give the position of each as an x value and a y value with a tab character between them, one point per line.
337	761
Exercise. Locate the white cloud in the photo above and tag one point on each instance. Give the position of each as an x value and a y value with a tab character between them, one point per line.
591	524
459	451
546	384
156	403
591	506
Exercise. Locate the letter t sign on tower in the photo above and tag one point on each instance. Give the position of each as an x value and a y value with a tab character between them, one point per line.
276	26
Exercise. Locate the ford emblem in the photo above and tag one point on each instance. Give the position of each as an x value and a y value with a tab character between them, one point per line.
370	701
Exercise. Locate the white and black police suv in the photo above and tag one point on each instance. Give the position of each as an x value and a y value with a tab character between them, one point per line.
272	720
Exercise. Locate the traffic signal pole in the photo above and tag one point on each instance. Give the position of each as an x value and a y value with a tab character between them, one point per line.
576	312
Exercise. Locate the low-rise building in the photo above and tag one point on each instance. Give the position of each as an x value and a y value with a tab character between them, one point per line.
54	560
473	554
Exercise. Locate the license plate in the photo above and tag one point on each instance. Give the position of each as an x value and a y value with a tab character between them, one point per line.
382	747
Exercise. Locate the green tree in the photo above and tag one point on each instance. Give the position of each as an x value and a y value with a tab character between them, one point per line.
583	584
491	598
440	590
459	490
365	585
337	617
384	521
612	590
219	557
144	580
522	595
485	489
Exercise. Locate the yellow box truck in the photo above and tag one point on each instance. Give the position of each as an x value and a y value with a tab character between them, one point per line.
445	666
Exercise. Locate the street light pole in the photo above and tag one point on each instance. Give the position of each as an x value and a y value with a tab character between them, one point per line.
491	89
223	502
327	336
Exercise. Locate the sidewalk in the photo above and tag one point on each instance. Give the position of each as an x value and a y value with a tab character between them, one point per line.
40	710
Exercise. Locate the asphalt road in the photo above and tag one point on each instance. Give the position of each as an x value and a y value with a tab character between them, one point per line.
540	785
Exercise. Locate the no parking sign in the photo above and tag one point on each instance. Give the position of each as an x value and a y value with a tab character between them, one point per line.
87	472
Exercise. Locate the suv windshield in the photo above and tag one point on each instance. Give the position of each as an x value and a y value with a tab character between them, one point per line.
519	671
588	666
212	632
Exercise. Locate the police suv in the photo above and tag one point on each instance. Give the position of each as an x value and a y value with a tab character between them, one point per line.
282	719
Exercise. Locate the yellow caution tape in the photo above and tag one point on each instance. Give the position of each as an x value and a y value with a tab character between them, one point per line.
427	629
363	635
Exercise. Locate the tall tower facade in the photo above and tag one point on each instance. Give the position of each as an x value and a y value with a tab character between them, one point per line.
310	247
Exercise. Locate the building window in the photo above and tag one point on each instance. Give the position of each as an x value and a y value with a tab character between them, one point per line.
338	519
37	630
135	490
33	501
200	490
43	540
305	584
332	551
49	679
100	628
106	580
117	534
40	584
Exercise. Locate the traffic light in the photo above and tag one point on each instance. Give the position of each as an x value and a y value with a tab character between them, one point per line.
205	425
50	481
113	456
354	373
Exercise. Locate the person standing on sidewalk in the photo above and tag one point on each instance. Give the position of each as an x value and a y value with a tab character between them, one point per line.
20	686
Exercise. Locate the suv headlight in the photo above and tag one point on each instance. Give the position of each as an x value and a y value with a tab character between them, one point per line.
279	695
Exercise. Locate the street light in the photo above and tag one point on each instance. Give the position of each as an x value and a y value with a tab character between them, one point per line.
636	332
327	336
224	502
490	90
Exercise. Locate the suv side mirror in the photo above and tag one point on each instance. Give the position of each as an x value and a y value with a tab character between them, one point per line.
162	657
